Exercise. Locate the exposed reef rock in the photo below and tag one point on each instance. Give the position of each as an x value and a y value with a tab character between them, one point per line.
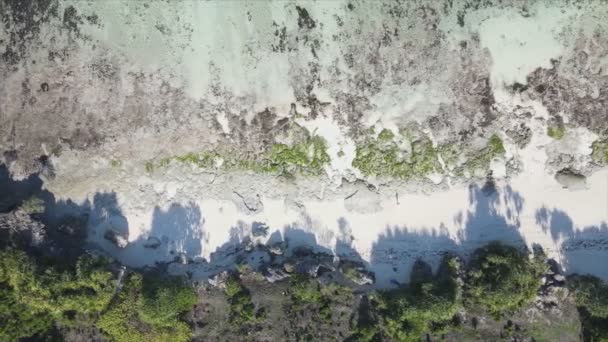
77	89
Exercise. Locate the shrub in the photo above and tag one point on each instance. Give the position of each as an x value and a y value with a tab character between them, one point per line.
425	305
591	296
304	290
242	309
148	309
556	132
33	298
591	293
502	279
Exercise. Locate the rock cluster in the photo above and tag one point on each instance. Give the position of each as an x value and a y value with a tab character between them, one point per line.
18	226
277	261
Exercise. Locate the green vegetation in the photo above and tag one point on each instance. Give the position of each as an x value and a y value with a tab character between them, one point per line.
556	132
503	279
591	296
600	151
148	309
383	157
306	157
591	293
482	159
33	297
242	309
149	167
33	205
39	299
40	295
495	145
386	135
115	163
307	294
427	304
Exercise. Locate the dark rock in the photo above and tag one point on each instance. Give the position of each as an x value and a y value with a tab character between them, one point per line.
571	180
115	238
302	251
310	267
152	242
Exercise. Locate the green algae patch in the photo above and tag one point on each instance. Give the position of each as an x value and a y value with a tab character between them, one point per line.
450	153
556	132
149	166
305	157
600	151
203	159
386	135
481	160
382	157
496	146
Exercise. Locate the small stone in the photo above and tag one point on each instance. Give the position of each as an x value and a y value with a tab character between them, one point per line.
277	248
289	267
560	278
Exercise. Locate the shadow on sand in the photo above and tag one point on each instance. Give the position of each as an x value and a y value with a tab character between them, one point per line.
177	234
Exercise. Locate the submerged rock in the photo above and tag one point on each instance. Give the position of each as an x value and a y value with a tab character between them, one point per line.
152	242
